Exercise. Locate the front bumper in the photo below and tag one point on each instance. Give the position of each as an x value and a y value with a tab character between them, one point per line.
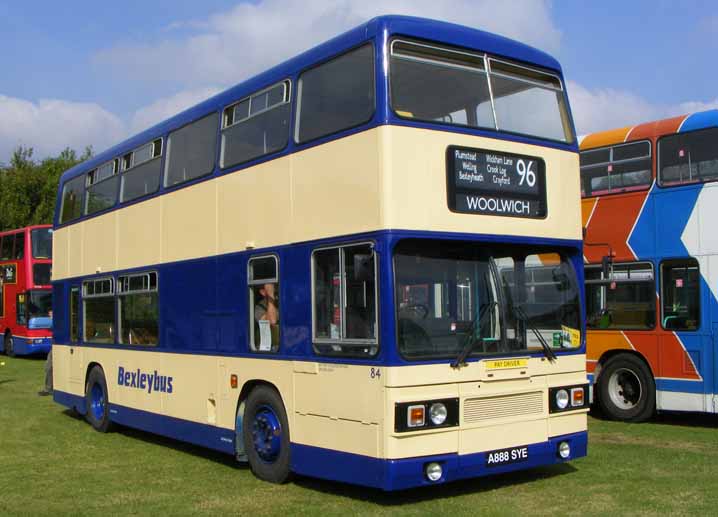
409	473
35	345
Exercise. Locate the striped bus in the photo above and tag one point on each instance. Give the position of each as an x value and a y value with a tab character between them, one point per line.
25	291
652	265
363	265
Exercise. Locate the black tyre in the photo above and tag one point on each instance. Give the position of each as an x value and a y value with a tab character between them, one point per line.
265	431
8	346
97	404
626	389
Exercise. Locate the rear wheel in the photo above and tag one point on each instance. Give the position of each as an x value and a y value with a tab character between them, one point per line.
97	405
9	346
265	432
626	389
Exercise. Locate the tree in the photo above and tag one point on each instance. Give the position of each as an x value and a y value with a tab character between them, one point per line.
28	189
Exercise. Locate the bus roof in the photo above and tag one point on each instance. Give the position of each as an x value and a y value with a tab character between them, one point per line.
31	227
680	124
421	28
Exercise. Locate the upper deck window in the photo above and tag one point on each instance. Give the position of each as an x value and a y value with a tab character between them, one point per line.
102	187
336	95
41	243
619	168
256	126
688	157
438	84
191	151
72	192
141	171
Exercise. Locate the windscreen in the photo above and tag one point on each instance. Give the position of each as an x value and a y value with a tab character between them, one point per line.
437	84
40	304
497	300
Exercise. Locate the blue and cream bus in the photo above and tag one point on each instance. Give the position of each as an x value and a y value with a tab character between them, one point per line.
362	265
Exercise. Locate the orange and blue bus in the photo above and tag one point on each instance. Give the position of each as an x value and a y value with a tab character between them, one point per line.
25	290
648	194
363	265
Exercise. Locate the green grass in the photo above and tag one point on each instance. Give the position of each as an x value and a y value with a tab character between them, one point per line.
53	463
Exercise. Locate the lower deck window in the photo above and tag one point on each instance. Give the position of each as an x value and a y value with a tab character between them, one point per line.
99	310
625	300
138	309
344	305
680	295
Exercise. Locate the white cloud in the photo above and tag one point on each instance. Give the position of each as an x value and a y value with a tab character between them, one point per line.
230	46
607	108
50	125
168	106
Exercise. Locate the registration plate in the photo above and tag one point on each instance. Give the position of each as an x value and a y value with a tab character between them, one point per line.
507	456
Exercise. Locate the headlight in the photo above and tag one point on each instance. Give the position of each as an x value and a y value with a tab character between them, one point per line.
561	399
564	450
437	413
434	471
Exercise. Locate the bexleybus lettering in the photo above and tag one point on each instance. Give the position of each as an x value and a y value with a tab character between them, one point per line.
144	381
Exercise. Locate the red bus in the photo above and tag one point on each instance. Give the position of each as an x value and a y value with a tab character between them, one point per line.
25	290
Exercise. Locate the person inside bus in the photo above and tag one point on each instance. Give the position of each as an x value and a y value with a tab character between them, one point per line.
266	312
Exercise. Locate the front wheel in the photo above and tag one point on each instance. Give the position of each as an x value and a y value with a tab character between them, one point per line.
626	389
265	431
97	404
8	345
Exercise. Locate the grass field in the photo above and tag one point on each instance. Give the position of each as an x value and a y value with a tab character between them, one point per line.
54	463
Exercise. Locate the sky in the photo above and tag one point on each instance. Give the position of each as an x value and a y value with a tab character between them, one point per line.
81	73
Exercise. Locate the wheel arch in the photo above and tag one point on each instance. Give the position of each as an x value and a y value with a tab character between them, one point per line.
610	354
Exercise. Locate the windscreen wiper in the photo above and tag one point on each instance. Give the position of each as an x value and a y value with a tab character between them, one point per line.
548	352
470	341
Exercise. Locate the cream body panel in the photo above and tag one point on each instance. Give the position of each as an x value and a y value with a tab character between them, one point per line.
254	206
336	188
337	434
501	436
189	222
415	194
431	374
139	235
389	177
567	423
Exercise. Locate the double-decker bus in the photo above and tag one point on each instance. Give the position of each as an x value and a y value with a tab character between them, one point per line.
362	265
651	264
25	290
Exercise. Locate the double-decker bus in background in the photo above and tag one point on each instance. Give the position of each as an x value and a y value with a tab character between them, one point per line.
649	205
363	265
25	290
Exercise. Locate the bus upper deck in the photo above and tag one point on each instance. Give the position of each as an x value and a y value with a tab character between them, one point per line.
649	192
25	295
354	221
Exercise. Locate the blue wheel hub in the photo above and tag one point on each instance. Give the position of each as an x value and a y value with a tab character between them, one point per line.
267	434
97	401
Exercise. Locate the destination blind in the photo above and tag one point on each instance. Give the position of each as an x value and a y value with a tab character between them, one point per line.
494	183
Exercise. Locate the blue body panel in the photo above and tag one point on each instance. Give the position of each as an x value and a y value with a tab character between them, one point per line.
204	302
38	345
341	466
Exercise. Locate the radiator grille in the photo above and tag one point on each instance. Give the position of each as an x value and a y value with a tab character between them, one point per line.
503	406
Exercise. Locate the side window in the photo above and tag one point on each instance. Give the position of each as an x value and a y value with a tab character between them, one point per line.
191	151
626	301
19	251
21	309
74	309
688	157
620	168
98	297
344	300
256	126
102	186
72	192
263	281
139	309
337	95
141	170
7	244
680	295
2	298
